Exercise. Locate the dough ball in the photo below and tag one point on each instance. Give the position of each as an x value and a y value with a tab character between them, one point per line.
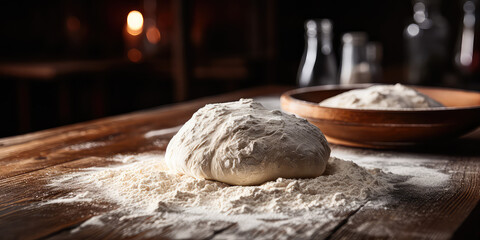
381	97
242	143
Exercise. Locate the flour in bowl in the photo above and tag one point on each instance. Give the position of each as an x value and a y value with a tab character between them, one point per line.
382	97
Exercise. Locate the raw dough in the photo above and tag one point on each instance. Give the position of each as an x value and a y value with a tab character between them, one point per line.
381	97
242	143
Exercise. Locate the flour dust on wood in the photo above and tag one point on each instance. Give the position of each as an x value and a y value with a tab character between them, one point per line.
154	198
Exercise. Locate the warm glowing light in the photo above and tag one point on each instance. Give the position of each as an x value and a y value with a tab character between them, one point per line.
134	55
134	23
133	32
153	35
135	20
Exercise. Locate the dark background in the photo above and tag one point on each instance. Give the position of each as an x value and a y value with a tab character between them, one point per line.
51	75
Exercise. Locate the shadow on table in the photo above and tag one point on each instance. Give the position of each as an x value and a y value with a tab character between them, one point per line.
466	146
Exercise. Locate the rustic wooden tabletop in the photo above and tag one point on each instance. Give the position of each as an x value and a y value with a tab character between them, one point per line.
28	162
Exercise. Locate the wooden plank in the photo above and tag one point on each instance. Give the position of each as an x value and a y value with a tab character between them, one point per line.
315	229
22	214
39	154
416	212
135	116
203	230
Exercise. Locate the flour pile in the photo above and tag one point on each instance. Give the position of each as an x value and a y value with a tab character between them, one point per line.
382	97
143	186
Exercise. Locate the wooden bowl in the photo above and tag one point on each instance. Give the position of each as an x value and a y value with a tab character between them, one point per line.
386	128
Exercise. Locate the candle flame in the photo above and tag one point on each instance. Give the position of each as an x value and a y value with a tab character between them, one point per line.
134	23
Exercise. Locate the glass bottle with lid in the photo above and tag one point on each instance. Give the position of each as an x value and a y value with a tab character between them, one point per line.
318	65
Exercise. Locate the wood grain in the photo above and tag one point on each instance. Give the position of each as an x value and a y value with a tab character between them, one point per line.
28	162
422	213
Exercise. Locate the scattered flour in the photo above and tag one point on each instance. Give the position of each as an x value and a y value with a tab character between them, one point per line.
72	198
87	145
148	156
160	132
93	221
382	97
142	186
400	164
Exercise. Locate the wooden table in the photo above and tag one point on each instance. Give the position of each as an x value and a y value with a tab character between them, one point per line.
27	162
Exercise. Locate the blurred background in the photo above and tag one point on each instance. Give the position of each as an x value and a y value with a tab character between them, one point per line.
69	61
